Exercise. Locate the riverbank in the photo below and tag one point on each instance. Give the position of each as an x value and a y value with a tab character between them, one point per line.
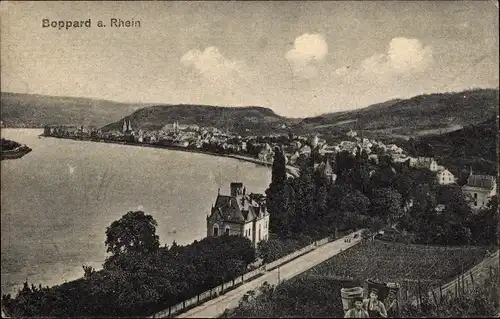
171	147
16	153
294	171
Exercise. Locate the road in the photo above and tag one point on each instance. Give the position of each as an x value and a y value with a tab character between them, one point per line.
215	307
292	170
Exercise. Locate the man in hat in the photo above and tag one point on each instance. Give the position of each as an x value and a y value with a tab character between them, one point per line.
373	306
357	311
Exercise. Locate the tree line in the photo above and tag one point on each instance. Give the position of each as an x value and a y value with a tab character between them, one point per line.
139	277
374	194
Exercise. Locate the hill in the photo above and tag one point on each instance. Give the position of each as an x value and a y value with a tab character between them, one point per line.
241	120
473	146
418	116
34	110
422	115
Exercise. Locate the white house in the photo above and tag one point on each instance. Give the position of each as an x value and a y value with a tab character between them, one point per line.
239	214
479	189
445	177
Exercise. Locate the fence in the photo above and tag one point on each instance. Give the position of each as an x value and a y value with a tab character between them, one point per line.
225	287
416	292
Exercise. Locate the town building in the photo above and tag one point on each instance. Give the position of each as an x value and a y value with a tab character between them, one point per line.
266	154
479	189
292	158
176	128
314	141
325	170
306	149
239	214
444	177
351	133
424	162
127	126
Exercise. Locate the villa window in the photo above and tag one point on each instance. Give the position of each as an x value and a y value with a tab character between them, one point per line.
227	230
216	231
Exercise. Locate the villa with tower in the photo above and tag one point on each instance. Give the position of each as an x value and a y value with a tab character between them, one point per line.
239	214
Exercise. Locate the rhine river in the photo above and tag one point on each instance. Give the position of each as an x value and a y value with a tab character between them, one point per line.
57	201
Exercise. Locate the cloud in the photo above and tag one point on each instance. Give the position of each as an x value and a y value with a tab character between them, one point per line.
404	55
408	54
308	49
212	65
215	77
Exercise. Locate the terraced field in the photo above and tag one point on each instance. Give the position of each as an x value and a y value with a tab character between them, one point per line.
316	293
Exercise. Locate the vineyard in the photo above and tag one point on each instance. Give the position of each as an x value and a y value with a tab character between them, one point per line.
316	293
383	261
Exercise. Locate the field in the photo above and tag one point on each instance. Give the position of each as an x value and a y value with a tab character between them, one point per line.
316	293
386	261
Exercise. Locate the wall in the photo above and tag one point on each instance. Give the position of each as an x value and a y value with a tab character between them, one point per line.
219	290
263	231
248	227
483	196
234	229
445	178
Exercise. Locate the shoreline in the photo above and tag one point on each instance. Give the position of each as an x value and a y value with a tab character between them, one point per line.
16	153
169	147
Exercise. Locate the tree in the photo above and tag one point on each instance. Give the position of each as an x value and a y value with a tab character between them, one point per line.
134	232
279	167
359	178
404	185
455	202
386	204
275	195
484	225
344	162
411	147
88	271
305	217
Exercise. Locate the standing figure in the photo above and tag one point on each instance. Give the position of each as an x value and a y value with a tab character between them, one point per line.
357	311
373	306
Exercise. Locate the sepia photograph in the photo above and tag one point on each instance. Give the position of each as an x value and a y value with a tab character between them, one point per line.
240	159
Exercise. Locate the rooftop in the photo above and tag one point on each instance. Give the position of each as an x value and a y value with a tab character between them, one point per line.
481	181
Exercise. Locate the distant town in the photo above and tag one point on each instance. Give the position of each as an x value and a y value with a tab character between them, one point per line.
261	150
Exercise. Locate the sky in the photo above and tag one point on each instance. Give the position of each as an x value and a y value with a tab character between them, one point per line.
298	58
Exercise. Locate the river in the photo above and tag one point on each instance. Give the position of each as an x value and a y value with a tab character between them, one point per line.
57	201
